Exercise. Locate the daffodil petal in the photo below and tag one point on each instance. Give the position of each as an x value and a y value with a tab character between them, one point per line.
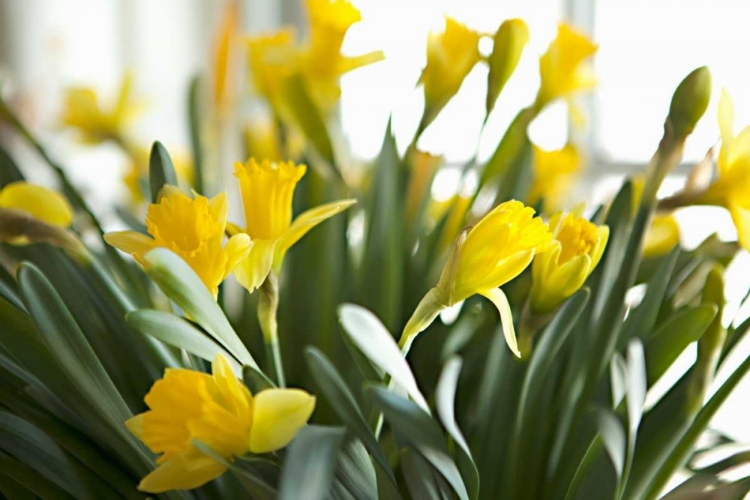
741	218
131	242
277	416
218	207
252	272
498	298
601	244
569	277
185	471
662	236
308	220
504	271
726	116
237	249
135	425
44	204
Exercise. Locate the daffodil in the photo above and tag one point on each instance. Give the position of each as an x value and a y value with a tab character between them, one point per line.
562	68
485	257
97	123
554	172
451	55
218	411
508	44
40	202
576	249
329	22
223	51
273	57
20	200
732	188
662	236
194	229
267	190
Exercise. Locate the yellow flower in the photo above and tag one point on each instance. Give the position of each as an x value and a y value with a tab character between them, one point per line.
41	203
139	170
509	42
218	411
561	67
732	188
662	236
484	258
273	57
267	190
193	228
554	173
225	38
84	112
329	22
451	55
575	252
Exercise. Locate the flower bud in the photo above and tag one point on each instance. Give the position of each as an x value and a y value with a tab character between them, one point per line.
690	101
509	42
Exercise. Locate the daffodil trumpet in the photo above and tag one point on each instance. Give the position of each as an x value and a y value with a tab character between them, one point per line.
486	256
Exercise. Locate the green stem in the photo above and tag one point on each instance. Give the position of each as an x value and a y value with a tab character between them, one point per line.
268	305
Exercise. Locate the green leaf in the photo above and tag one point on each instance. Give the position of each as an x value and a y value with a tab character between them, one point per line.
445	400
376	342
309	464
414	426
31	480
614	437
9	172
161	170
355	476
74	354
674	336
644	317
196	137
636	398
383	252
330	384
423	481
255	484
37	450
308	117
255	379
178	332
180	283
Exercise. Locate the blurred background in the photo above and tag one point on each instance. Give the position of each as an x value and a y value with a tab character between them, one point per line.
646	48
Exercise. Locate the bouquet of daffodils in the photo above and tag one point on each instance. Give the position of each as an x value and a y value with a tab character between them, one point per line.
382	344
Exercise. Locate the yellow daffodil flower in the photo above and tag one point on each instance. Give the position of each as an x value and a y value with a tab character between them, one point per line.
424	167
732	188
451	55
554	173
218	411
267	190
84	112
662	236
485	257
273	57
329	22
193	228
139	169
41	203
561	67
223	51
576	249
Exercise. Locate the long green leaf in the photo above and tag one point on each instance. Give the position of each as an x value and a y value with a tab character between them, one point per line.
309	465
161	170
330	384
415	427
180	283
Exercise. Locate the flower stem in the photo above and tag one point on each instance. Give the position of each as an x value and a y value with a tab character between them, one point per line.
268	305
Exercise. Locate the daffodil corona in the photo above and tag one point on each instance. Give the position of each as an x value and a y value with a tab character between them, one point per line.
267	190
218	411
576	249
485	257
193	228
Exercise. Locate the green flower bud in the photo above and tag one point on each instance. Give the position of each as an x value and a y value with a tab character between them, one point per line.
509	42
690	101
